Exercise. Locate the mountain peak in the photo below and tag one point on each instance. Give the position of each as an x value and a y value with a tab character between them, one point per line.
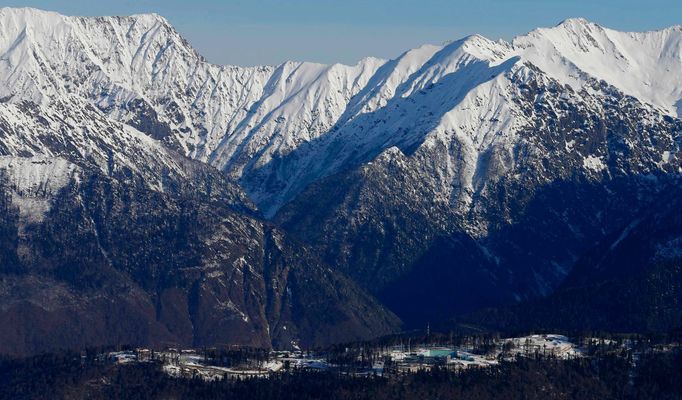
575	27
42	20
25	15
575	21
151	18
26	11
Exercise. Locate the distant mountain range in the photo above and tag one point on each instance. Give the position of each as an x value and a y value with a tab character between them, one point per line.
151	197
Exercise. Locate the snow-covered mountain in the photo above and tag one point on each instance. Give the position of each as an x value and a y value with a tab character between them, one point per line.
108	235
479	169
278	129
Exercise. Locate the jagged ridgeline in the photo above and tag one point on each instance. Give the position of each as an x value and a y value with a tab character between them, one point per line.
151	197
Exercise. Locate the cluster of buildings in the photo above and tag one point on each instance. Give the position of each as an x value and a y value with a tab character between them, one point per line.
555	345
428	357
394	360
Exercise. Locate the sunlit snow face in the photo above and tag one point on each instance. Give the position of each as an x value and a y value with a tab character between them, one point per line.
320	118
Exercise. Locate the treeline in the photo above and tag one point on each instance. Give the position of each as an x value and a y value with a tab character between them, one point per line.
44	376
655	375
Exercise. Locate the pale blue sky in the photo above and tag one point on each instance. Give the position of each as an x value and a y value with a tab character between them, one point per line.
250	32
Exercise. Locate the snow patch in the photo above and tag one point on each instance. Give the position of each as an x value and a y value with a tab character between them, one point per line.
34	181
594	163
625	233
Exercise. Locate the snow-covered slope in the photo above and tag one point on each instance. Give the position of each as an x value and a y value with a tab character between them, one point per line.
646	65
135	67
278	129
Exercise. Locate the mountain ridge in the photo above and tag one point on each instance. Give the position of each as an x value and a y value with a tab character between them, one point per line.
240	119
491	165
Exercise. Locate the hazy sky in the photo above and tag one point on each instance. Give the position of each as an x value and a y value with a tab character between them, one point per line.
249	32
